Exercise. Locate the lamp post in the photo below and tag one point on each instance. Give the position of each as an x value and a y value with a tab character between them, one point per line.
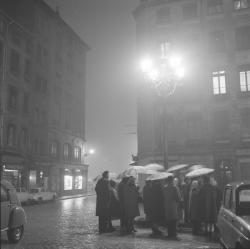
164	74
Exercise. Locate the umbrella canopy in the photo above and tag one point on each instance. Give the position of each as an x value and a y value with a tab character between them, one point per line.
132	171
154	166
196	166
159	176
177	167
199	172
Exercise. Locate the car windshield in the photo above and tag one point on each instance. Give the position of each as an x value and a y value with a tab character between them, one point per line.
244	200
34	190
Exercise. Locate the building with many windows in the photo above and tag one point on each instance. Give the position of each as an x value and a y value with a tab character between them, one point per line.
42	67
208	116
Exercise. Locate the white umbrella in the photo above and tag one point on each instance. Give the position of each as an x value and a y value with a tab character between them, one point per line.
159	176
177	167
132	171
199	172
196	166
154	166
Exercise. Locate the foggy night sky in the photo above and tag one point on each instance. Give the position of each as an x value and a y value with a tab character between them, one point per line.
108	27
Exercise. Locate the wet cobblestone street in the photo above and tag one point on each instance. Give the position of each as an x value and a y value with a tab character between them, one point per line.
72	224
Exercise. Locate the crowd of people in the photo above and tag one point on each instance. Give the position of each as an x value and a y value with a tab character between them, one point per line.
169	202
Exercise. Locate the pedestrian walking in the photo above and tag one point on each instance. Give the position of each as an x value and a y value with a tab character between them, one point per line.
103	201
171	200
180	204
131	205
120	191
208	206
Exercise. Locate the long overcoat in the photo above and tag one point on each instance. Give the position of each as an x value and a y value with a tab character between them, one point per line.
207	203
172	199
102	197
195	212
131	197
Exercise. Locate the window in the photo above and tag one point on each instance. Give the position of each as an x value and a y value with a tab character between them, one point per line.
11	135
245	80
78	182
14	62
219	82
217	42
228	198
66	151
24	138
245	122
221	125
189	11
4	194
163	16
164	49
77	152
13	98
214	7
26	100
27	70
243	37
54	148
68	182
241	4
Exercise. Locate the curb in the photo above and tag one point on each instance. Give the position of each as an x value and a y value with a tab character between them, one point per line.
73	196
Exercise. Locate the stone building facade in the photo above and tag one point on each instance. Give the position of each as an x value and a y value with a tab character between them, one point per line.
208	116
42	64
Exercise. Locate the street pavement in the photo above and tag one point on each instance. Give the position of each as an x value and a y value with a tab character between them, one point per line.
72	224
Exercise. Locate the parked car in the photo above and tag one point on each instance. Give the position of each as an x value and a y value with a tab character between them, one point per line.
13	216
24	196
40	195
234	216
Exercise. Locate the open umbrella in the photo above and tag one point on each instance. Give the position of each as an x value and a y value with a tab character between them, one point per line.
159	176
154	166
177	167
196	166
199	172
132	171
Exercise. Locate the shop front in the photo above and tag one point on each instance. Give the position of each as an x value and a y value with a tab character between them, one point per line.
68	179
15	171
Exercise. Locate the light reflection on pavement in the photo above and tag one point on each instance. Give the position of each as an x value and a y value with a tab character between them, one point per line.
72	224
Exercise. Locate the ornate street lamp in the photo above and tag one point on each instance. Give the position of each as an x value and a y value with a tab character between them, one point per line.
164	74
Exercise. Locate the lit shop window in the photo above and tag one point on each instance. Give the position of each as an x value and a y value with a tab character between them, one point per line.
68	182
241	4
245	81
219	82
78	182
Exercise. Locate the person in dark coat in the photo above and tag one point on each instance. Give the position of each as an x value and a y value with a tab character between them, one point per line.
171	201
131	203
194	208
154	205
185	189
208	205
120	191
115	210
103	201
